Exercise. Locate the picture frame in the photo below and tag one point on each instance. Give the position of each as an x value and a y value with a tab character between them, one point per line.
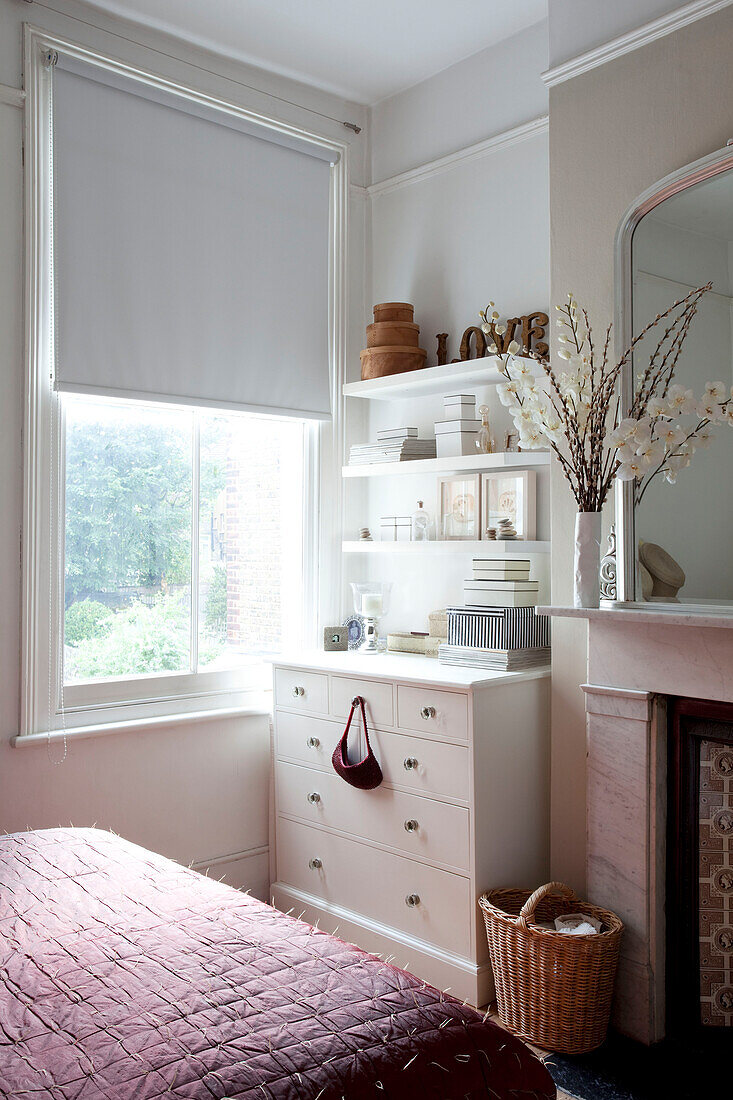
459	507
354	630
509	495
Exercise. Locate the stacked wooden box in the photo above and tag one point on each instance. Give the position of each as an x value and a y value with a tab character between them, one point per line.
392	342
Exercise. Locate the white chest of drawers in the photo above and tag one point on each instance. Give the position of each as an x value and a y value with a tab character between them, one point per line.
464	805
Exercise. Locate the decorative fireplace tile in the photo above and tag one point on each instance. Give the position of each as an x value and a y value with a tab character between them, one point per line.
716	884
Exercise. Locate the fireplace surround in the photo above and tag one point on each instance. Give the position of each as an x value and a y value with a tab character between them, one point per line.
641	662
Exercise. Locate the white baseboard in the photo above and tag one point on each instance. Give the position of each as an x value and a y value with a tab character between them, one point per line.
248	870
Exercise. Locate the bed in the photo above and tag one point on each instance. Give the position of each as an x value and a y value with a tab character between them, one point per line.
124	976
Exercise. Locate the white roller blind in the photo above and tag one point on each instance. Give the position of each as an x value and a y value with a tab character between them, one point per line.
190	256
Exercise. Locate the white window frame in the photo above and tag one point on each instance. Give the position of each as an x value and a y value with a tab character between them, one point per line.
45	705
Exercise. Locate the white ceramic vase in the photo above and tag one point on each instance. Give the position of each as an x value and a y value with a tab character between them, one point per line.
586	580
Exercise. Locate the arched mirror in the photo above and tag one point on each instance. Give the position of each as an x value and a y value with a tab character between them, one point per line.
678	236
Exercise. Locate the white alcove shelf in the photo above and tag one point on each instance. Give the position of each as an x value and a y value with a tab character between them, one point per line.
493	548
449	378
516	460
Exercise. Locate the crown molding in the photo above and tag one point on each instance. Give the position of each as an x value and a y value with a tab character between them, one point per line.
12	97
462	156
632	40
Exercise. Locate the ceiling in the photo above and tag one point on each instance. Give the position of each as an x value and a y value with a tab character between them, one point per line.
364	50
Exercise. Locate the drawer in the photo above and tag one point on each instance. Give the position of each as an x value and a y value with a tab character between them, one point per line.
425	767
430	710
376	884
437	830
305	690
376	694
308	740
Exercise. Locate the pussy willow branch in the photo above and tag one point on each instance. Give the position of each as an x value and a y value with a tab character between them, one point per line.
590	465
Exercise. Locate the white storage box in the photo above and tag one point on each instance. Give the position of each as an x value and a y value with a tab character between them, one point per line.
458	424
461	405
456	437
396	435
403	528
388	529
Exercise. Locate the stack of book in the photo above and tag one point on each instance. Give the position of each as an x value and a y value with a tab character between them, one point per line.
501	582
393	445
493	632
502	660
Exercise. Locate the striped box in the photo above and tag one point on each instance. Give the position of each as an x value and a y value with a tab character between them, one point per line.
498	627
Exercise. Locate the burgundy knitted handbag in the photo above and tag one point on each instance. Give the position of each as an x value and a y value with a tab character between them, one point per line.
367	774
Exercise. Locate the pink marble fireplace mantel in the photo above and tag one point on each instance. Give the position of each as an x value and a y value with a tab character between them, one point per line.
637	658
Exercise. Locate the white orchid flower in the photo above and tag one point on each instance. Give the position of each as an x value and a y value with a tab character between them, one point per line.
718	391
643	431
650	452
624	431
507	392
656	407
671	434
709	408
681	400
629	471
625	453
679	461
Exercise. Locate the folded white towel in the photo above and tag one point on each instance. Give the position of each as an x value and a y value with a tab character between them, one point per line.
577	924
583	929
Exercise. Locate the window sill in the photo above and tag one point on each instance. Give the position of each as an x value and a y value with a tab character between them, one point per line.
261	705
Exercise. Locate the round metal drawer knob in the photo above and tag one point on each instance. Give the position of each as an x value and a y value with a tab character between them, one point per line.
298	691
412	900
314	796
411	826
313	743
409	763
315	864
427	712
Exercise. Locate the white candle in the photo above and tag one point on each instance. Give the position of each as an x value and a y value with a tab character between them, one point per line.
371	605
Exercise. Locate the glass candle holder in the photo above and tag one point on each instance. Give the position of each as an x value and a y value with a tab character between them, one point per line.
371	601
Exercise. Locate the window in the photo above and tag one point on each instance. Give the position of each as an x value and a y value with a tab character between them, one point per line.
175	452
183	544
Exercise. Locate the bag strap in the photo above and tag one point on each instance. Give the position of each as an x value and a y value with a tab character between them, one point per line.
357	701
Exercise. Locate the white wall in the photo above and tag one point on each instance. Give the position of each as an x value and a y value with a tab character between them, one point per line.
614	131
577	26
494	90
194	792
448	243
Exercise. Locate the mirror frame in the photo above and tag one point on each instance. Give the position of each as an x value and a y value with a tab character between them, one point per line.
712	165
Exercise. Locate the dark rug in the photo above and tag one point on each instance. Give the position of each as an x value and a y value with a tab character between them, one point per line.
683	1069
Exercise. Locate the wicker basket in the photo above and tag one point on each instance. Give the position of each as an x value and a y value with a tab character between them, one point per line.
552	989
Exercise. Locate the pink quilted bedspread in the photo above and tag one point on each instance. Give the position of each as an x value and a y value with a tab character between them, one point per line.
125	976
